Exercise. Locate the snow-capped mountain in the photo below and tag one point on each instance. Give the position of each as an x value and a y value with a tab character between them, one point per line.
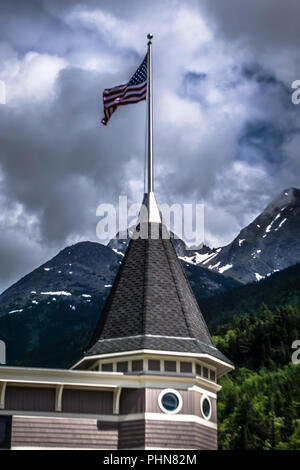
269	244
77	274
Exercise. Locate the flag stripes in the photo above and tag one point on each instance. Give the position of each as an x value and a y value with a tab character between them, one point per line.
132	92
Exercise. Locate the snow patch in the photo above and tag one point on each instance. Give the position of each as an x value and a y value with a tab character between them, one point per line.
60	292
197	258
46	269
210	257
282	222
187	259
268	229
15	311
107	285
224	268
241	241
214	266
258	276
118	252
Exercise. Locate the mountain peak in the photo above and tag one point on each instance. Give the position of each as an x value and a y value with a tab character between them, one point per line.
287	197
268	244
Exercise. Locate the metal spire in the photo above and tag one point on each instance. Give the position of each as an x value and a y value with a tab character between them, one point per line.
152	213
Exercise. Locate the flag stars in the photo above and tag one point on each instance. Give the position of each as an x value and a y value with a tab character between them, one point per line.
132	92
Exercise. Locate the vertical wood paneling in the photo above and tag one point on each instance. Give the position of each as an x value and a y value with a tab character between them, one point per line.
132	401
29	398
87	401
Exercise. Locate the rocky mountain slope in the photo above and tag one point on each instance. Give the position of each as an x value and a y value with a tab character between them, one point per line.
267	245
76	274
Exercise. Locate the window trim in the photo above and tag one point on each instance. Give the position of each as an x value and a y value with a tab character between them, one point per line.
178	395
205	397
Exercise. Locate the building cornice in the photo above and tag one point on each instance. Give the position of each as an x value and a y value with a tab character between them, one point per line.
97	379
221	366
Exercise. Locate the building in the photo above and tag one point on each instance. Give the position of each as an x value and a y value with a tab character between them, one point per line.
149	377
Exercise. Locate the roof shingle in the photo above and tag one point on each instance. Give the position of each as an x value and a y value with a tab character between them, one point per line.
151	304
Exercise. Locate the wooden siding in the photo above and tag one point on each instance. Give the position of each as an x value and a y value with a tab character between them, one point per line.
179	435
132	401
87	401
35	432
29	398
166	435
78	433
132	434
63	433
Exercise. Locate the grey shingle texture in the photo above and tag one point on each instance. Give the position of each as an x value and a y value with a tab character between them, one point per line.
151	304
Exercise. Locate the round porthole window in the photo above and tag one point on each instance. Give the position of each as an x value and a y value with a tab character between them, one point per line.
170	401
206	407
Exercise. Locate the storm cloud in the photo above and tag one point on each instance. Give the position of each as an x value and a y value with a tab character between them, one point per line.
226	132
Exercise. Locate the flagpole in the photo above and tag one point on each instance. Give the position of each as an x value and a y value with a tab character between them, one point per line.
150	116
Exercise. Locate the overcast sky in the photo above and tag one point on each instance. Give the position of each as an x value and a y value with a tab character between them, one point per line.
226	132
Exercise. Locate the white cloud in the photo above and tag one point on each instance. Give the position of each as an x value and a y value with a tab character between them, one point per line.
2	92
32	77
114	31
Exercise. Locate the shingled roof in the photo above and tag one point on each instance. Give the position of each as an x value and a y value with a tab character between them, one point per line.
151	304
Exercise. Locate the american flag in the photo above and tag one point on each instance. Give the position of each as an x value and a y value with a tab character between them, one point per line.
132	92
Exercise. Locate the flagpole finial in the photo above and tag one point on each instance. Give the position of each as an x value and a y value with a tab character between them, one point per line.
150	36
